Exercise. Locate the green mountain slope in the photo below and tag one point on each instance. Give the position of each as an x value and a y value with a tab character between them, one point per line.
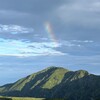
56	82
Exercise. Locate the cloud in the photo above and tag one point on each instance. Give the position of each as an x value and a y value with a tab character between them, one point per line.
84	41
80	47
14	29
84	13
11	14
30	5
27	49
77	20
69	19
70	44
18	48
75	43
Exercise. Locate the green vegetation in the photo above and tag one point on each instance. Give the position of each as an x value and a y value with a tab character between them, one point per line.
55	78
22	98
16	98
55	82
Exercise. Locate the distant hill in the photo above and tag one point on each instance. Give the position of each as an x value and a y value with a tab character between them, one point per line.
56	82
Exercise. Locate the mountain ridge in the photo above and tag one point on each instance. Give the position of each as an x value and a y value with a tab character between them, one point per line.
56	82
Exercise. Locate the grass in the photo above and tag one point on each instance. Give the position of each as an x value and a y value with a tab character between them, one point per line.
22	98
19	98
55	78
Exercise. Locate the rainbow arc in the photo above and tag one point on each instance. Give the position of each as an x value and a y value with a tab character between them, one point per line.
50	32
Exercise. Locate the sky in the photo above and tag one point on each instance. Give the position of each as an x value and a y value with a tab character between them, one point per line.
36	34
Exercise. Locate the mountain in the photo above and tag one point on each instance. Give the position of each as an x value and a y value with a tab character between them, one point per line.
56	82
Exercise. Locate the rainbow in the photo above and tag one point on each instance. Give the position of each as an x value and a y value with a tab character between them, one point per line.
50	32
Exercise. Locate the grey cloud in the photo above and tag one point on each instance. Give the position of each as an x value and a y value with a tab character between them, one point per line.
70	19
33	6
78	20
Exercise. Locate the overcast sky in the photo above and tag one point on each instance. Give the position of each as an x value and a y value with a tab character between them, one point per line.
35	34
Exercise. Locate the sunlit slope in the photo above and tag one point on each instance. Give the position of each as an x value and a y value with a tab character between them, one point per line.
56	82
47	78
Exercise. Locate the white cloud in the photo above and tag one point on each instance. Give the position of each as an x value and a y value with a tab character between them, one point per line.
70	44
84	41
26	49
74	43
14	29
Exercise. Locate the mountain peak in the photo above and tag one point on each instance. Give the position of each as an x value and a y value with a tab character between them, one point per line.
55	82
55	68
82	72
79	74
